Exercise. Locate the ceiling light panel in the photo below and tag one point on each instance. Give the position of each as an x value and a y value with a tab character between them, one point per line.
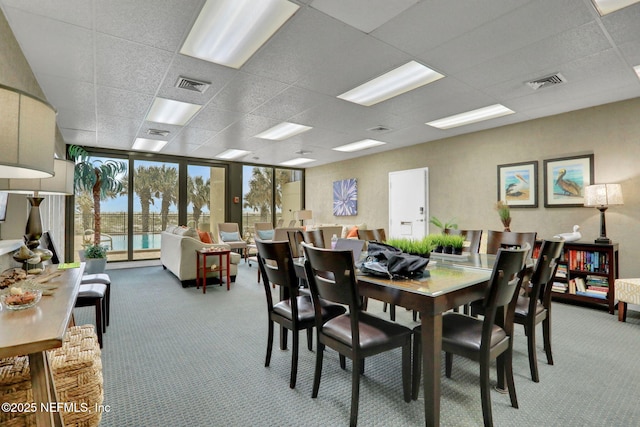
407	77
604	7
297	161
144	144
282	131
232	154
229	32
481	114
171	112
637	70
360	145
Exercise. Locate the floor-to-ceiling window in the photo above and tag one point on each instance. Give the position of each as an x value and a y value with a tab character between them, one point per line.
206	188
155	205
113	208
288	195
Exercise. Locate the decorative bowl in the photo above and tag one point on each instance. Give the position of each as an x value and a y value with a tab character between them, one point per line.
28	299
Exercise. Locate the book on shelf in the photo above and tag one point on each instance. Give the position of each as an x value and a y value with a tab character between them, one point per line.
572	286
604	289
592	294
561	272
559	287
580	284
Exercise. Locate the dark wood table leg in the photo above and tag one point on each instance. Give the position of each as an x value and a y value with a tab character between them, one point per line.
228	272
197	270
431	360
204	274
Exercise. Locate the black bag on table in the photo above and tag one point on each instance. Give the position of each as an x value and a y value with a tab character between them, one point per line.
388	261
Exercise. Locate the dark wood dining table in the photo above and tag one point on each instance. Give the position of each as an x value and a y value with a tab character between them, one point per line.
35	330
449	283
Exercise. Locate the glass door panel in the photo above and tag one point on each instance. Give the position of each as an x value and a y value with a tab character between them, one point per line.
257	197
155	205
206	196
288	195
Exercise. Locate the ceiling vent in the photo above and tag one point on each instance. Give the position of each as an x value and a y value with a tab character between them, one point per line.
379	128
158	132
552	80
303	152
191	84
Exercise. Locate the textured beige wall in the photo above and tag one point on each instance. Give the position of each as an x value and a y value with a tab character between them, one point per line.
463	176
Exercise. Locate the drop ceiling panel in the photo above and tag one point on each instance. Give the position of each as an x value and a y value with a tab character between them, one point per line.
623	25
214	119
65	93
79	137
54	47
365	15
126	65
191	136
246	92
73	119
76	12
123	103
131	20
290	102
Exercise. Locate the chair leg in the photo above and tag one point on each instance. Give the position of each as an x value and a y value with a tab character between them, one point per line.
448	364
318	371
294	359
384	307
392	312
508	366
485	393
546	337
108	304
310	339
355	391
533	358
622	311
343	362
417	365
269	344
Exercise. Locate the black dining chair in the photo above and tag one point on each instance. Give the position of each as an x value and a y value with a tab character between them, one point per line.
482	340
356	334
509	239
472	239
294	312
534	306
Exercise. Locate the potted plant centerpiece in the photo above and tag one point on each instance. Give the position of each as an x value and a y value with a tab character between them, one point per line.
95	257
442	224
504	212
457	243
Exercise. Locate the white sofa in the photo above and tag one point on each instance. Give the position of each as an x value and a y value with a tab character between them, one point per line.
178	255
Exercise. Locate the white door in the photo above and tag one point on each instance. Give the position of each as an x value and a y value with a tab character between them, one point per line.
409	203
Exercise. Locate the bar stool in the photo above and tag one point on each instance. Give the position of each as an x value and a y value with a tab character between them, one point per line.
104	279
93	294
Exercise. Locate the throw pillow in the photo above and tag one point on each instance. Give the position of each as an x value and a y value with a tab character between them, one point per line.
187	232
171	228
204	236
232	236
353	233
265	234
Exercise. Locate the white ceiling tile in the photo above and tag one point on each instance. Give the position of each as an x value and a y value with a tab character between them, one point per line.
246	92
123	103
76	12
290	102
74	119
365	15
67	93
214	119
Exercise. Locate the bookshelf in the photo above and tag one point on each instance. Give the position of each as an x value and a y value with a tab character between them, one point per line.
587	273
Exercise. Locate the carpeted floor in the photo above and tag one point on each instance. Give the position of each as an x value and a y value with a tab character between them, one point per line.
175	357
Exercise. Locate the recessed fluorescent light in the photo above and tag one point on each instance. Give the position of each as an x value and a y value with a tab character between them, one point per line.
228	32
171	112
297	161
605	7
144	144
637	70
486	113
360	145
283	131
407	77
232	153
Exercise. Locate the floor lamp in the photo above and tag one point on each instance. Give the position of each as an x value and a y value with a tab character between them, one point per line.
601	196
60	183
302	215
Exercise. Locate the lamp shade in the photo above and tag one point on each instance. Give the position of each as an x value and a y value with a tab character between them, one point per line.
304	215
60	183
603	195
27	135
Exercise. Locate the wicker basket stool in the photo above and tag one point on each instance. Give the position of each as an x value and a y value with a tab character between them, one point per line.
77	372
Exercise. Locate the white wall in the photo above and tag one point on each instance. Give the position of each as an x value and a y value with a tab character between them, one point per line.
463	176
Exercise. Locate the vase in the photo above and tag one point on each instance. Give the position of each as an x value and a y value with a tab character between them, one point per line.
506	223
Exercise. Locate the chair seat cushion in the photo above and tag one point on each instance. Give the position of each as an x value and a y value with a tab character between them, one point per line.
92	290
374	331
305	309
96	278
460	331
522	307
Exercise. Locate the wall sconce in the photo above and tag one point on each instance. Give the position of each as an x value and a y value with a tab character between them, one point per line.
302	215
27	135
61	183
601	196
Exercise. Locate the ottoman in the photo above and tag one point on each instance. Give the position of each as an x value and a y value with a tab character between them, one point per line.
627	291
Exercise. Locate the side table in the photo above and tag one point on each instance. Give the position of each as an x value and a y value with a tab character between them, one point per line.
224	264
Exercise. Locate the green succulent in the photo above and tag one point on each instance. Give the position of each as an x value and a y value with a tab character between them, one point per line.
95	251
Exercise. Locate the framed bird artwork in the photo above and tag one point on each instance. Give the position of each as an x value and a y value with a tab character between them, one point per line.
518	184
565	180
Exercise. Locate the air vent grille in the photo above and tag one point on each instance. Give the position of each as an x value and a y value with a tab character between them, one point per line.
191	84
552	80
158	132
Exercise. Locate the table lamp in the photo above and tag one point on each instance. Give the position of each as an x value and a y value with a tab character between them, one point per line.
302	215
61	183
601	196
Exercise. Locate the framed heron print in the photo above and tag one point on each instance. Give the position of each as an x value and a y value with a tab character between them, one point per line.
518	184
565	180
345	197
